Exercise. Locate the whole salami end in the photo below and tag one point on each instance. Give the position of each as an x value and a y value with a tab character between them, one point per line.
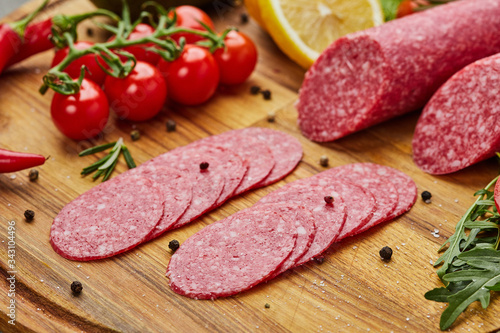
231	255
111	218
370	76
459	125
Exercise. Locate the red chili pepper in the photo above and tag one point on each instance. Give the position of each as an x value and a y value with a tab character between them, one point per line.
11	37
36	40
10	42
11	161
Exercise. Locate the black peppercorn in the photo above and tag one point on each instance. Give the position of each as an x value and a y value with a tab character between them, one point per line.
271	116
386	253
319	259
29	215
323	161
76	287
328	199
171	125
173	245
426	196
244	18
254	90
135	135
204	166
33	175
267	305
266	94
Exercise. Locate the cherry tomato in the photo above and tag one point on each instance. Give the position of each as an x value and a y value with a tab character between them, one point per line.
83	115
140	31
405	8
237	60
188	17
95	73
193	77
139	96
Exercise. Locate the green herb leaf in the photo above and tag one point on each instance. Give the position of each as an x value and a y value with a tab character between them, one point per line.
96	149
471	263
460	236
107	164
390	8
485	272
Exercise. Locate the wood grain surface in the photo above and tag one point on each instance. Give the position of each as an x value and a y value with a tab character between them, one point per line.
352	291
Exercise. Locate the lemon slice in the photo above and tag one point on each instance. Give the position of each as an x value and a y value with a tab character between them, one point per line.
302	29
254	11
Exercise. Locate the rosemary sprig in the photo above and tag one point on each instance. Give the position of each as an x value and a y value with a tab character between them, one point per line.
107	164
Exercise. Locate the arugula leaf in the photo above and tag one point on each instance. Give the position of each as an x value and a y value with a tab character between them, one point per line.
460	236
471	264
484	274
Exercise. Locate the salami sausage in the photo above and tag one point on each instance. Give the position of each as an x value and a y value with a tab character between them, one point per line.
231	255
111	218
460	124
370	76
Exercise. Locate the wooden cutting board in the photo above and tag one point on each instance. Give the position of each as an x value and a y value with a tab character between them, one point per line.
351	291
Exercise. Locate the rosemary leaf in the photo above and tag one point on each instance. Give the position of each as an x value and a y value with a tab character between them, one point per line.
128	157
96	149
109	171
115	152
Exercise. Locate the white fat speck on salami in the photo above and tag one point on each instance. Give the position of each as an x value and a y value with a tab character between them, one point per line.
109	219
176	188
329	218
370	76
231	255
258	156
460	124
303	220
286	150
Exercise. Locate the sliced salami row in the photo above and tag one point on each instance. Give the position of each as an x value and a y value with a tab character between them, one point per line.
240	251
460	124
370	76
171	190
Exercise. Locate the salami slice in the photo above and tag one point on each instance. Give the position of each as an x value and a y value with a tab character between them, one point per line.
360	205
111	218
176	189
256	154
368	77
459	126
303	220
286	150
208	184
393	190
231	255
221	161
329	218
